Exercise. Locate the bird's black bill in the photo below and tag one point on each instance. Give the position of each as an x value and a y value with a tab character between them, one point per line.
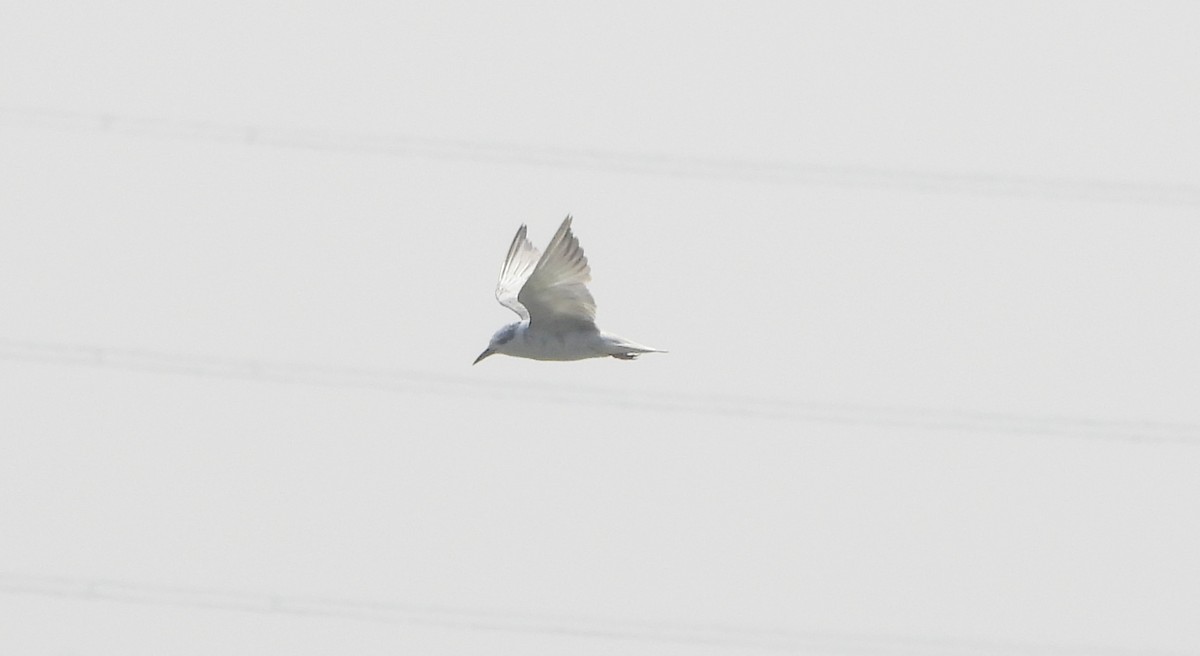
483	355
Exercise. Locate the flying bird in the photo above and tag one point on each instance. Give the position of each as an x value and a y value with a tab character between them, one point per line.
558	314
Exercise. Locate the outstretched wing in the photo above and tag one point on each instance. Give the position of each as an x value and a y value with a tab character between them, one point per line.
556	293
518	265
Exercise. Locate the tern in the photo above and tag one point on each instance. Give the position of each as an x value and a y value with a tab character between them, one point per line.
558	314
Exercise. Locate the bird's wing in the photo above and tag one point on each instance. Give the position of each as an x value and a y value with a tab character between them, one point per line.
518	265
556	293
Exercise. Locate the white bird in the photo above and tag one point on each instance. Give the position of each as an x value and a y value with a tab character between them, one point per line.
558	314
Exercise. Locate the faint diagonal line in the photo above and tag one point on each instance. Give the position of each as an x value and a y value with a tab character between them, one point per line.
415	382
461	619
666	165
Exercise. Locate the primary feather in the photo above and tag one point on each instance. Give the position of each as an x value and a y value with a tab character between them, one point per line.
556	295
518	265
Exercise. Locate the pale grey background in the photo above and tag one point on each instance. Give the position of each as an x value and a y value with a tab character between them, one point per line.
991	208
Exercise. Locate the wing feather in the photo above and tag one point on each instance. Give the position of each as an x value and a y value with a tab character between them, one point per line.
555	293
520	262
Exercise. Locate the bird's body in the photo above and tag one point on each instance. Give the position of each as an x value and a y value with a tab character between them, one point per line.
549	292
528	342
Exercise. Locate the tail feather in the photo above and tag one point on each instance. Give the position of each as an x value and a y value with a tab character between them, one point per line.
625	349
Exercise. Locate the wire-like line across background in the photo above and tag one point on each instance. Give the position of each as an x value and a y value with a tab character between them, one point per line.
748	170
449	618
415	382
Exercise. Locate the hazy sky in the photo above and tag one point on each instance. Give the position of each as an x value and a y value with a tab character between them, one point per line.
927	273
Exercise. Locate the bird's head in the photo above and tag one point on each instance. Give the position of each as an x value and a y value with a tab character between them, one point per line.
496	345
